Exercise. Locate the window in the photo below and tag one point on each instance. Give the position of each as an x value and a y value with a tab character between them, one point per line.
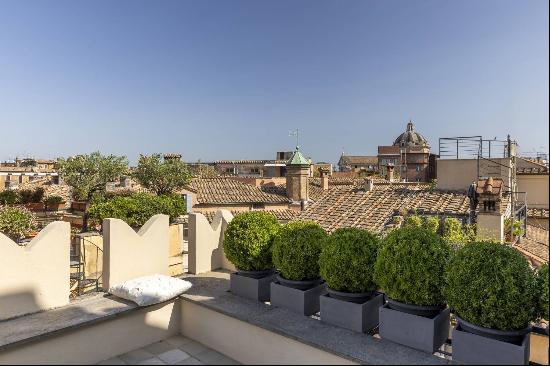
255	171
418	168
489	205
228	170
258	206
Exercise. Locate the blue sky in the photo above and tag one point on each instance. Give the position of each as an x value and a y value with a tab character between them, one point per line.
229	79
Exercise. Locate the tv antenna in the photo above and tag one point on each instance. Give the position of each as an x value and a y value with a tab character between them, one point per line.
295	133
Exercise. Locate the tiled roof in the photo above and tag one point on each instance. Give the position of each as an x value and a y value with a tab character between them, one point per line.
489	185
230	191
242	161
535	245
22	169
50	189
282	215
359	160
542	213
347	206
533	170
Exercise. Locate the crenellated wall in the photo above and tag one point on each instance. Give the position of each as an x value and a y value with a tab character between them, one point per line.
128	255
206	242
35	277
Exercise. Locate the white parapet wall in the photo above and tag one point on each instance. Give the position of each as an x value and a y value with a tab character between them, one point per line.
206	242
35	277
128	255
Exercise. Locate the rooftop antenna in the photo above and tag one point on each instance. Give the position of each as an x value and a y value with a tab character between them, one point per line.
295	133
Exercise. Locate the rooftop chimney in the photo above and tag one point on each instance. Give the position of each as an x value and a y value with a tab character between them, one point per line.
297	173
390	168
369	185
489	185
324	178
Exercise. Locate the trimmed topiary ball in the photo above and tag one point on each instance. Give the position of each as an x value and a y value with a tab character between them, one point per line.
491	285
248	240
347	260
410	266
296	250
542	284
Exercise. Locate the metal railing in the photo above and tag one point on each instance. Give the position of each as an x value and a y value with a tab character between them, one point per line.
81	282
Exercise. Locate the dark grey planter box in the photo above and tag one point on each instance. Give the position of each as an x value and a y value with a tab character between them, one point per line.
475	349
302	302
424	334
358	317
252	288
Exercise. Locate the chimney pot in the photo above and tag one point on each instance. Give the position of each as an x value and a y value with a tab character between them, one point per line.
390	168
369	185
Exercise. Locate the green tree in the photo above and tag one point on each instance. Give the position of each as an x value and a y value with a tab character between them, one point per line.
89	173
161	176
28	163
413	221
432	224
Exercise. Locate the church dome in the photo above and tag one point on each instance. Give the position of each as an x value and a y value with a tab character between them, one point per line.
411	138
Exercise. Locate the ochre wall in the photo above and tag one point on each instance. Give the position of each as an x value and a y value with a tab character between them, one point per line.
536	186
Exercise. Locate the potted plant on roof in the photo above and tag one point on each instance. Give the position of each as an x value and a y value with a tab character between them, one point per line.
16	222
410	268
296	251
247	244
542	293
32	199
492	291
347	265
54	203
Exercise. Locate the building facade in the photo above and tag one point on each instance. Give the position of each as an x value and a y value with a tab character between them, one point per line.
410	155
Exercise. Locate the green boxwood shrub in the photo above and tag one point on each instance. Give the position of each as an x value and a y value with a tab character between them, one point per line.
542	293
53	200
9	197
432	224
413	221
31	196
248	240
452	231
347	260
136	209
296	250
410	266
491	285
15	222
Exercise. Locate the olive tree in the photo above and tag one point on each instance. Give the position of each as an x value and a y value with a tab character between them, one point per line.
89	173
162	176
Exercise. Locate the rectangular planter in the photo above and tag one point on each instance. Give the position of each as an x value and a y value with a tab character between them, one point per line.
358	317
475	349
251	288
78	206
55	206
424	334
34	206
302	302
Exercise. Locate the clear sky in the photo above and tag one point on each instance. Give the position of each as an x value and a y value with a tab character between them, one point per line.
228	79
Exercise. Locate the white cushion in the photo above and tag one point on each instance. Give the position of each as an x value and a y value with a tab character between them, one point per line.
150	290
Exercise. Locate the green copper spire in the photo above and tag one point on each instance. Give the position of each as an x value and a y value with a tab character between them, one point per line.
297	158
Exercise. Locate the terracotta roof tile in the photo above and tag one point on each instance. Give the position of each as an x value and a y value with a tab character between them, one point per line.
231	191
542	213
360	160
346	206
532	170
282	215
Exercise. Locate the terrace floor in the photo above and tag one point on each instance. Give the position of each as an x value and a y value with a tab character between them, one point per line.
177	350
